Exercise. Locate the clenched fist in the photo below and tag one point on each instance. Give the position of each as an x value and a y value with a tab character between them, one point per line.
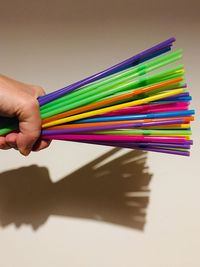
19	100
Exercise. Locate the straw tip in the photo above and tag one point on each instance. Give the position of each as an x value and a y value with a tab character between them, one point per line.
172	39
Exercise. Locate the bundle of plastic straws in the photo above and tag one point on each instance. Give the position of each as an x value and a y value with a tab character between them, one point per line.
135	104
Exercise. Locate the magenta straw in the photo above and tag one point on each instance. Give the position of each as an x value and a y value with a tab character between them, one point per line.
155	50
149	108
113	138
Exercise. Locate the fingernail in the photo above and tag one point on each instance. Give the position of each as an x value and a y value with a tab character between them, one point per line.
25	152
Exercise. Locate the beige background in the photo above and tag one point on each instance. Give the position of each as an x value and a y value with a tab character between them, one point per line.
80	205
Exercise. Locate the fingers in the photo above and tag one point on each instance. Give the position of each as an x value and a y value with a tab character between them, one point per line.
41	144
29	127
10	140
19	100
3	144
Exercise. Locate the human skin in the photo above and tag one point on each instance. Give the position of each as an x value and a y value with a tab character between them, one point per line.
19	100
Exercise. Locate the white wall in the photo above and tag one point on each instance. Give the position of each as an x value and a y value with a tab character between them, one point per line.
69	205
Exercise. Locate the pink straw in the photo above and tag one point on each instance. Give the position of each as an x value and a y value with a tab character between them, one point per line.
113	138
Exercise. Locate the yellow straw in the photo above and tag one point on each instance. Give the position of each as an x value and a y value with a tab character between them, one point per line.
113	108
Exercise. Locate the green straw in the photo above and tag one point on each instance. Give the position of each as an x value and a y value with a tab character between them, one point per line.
123	76
137	83
153	92
9	128
147	132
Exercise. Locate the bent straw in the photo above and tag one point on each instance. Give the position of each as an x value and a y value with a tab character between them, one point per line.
136	132
64	104
174	100
110	127
146	146
116	79
143	118
114	99
143	144
115	107
112	108
170	127
140	116
167	151
150	110
108	91
97	124
153	107
118	67
113	138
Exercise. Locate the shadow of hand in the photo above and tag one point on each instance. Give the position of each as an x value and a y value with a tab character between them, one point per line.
111	190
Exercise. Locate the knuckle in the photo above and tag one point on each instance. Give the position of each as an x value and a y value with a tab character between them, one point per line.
30	105
38	90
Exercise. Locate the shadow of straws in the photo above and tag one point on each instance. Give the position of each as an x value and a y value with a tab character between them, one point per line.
110	190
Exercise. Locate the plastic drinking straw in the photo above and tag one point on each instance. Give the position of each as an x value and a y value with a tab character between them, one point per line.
151	149
143	145
117	79
9	127
112	138
186	119
115	107
118	67
153	107
166	85
45	99
178	98
102	91
140	116
136	132
168	151
131	144
93	124
150	110
62	91
167	109
172	100
114	99
110	127
173	125
170	127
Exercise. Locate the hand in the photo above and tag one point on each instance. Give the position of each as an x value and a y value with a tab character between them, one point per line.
20	100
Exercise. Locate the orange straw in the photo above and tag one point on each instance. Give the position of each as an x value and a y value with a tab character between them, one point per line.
113	99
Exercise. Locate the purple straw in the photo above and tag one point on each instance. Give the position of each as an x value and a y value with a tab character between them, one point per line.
161	47
167	151
137	147
186	145
110	127
147	147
